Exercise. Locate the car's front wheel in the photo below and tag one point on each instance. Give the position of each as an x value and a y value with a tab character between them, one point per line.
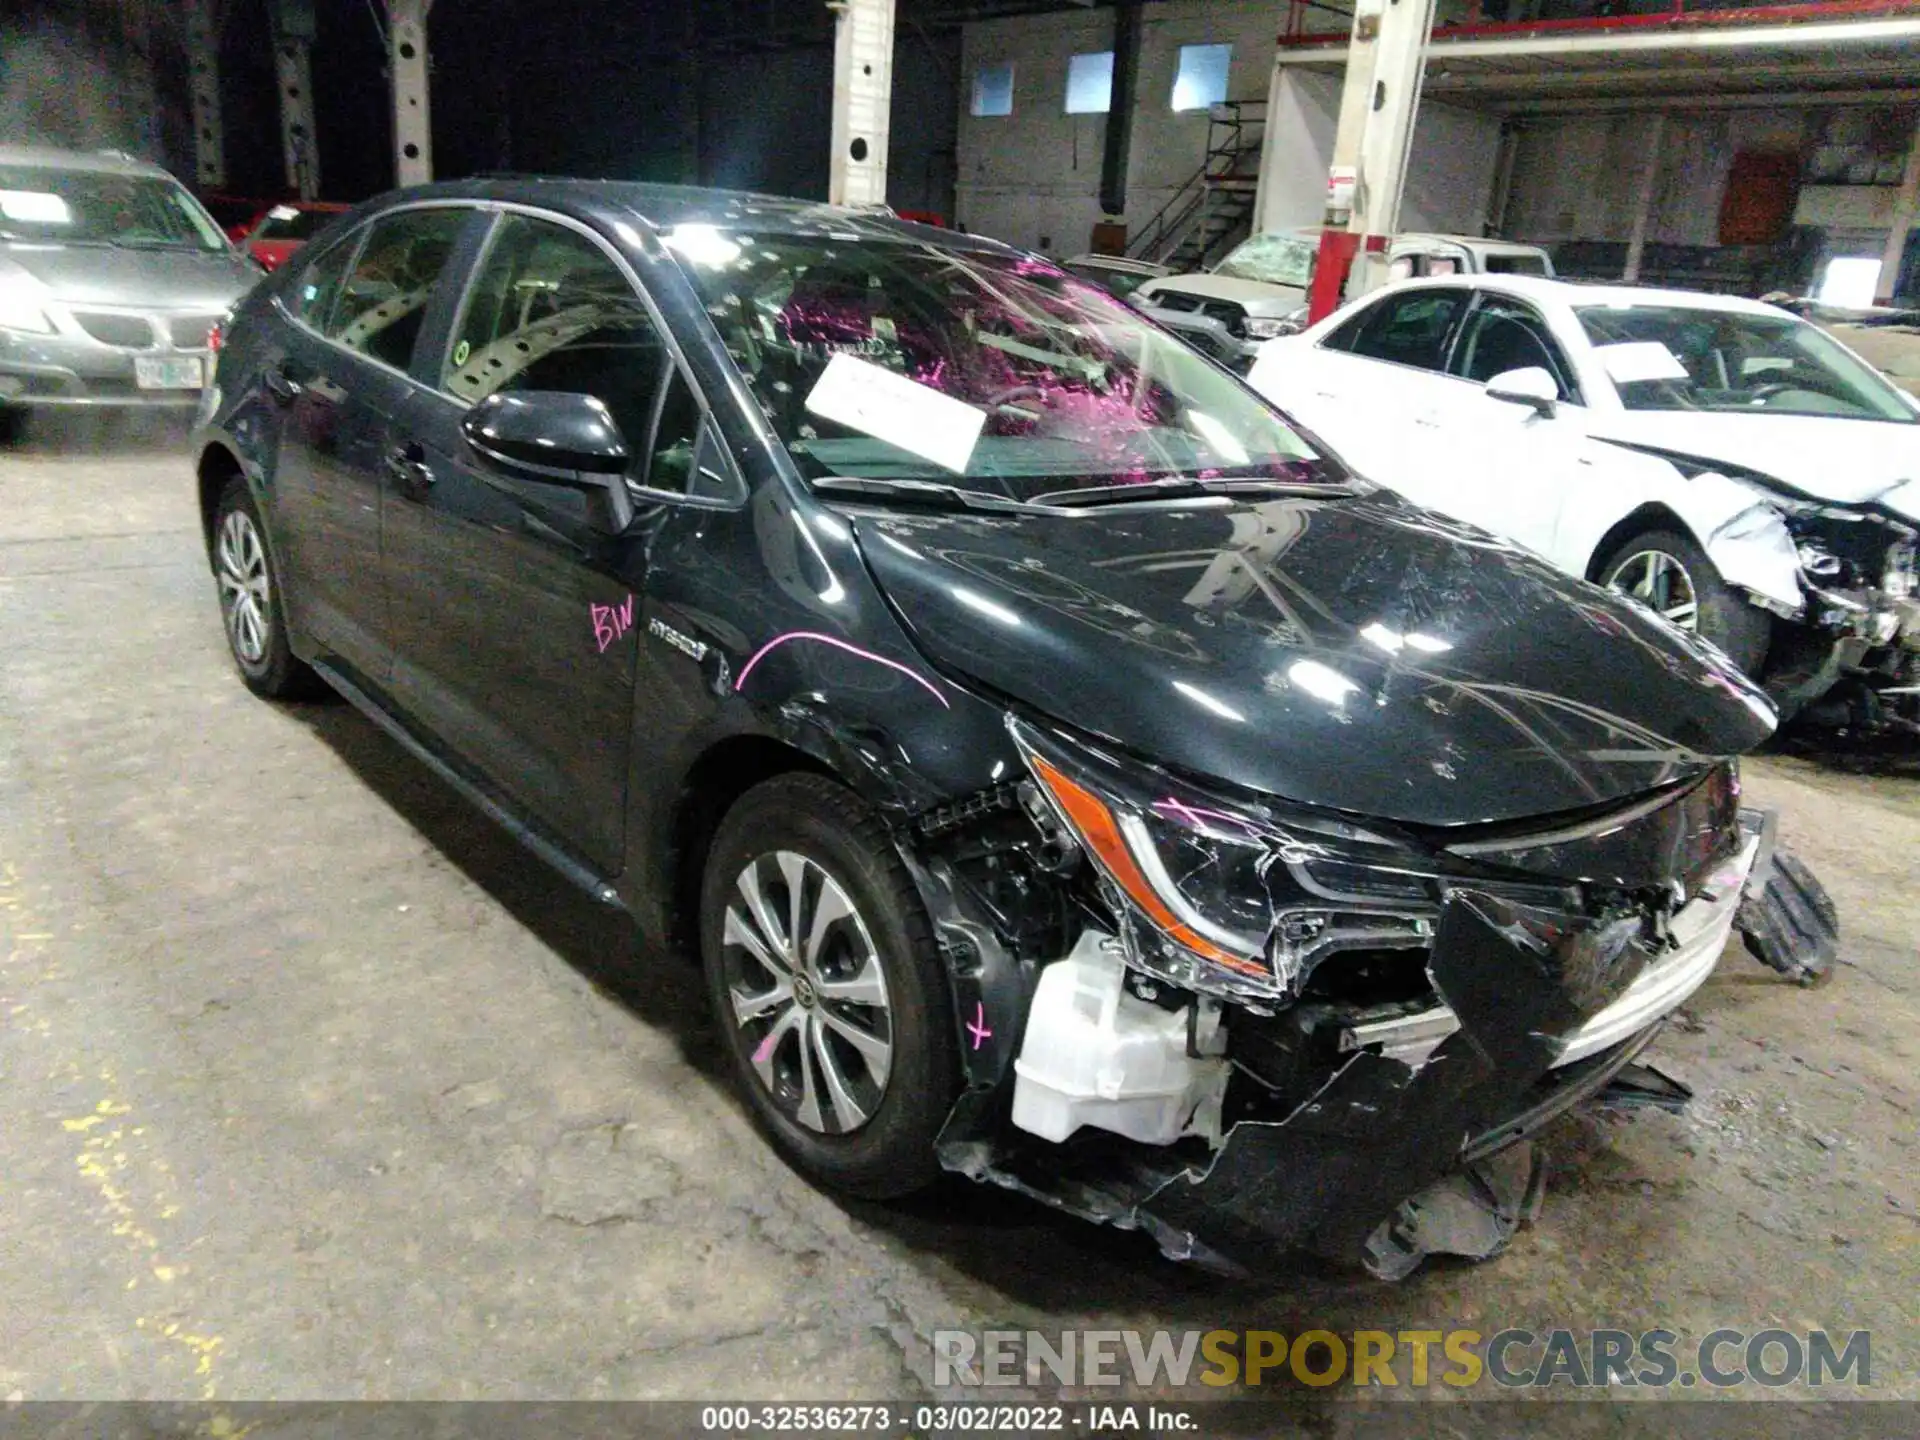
1669	573
251	608
827	986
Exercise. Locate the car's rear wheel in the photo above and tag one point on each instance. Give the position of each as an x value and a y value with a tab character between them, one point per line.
251	610
827	986
1667	572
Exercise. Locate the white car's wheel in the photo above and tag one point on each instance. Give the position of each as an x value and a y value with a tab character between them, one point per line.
1667	572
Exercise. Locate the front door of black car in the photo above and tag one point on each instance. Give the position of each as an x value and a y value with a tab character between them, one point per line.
341	382
514	617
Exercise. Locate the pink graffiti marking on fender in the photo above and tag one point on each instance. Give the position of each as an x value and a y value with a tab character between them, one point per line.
610	622
779	640
977	1027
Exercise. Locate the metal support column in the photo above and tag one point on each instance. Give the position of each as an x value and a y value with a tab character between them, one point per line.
202	25
293	31
1643	199
862	99
1906	205
412	119
1386	61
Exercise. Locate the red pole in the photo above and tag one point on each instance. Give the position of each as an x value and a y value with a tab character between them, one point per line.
1337	249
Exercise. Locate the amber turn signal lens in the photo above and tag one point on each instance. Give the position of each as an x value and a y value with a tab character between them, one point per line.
1090	817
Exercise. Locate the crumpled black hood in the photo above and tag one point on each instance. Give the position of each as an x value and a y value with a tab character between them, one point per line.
1357	654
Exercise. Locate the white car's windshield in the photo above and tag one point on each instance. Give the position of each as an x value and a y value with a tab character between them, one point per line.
1672	357
901	360
1272	260
102	208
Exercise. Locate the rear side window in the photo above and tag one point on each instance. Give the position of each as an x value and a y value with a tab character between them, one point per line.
549	310
1407	329
384	301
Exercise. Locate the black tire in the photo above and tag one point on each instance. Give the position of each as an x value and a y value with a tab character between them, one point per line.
890	1152
274	671
1738	629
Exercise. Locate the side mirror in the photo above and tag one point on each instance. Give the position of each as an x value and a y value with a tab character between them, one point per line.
554	438
1530	386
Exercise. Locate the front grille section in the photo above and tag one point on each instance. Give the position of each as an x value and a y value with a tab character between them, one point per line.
190	332
128	332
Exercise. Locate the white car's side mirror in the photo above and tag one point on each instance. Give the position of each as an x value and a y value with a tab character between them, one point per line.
1530	386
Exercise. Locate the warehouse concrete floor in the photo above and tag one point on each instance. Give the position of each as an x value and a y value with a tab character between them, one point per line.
316	1086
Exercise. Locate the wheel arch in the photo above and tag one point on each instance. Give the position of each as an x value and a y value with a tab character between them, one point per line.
1653	515
719	775
217	468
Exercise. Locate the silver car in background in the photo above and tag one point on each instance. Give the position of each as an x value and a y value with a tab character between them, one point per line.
111	278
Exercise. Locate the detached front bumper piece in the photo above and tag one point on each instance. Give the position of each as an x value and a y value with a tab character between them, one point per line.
1415	1141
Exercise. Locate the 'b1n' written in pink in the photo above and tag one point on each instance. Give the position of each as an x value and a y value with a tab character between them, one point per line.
610	622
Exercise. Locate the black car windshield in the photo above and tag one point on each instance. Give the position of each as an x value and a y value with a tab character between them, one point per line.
1682	357
885	359
101	207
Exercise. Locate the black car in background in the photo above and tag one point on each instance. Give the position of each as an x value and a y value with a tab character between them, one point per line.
1065	771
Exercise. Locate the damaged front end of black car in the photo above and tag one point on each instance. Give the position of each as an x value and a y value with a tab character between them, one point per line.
1272	1029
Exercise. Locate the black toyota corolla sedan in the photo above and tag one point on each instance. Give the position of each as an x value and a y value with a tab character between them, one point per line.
1065	771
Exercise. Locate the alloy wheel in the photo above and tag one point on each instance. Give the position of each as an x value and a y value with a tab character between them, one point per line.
1660	582
808	993
246	593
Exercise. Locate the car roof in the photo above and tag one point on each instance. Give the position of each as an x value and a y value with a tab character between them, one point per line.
608	203
106	162
1580	292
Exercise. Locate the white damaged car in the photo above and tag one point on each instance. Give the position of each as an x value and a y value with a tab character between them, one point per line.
1732	466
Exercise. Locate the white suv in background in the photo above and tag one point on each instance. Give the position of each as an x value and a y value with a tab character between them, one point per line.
1757	480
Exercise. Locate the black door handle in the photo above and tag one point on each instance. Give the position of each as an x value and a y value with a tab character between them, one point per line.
281	385
407	464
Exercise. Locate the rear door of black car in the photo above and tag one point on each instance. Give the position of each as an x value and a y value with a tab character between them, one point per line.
341	380
516	622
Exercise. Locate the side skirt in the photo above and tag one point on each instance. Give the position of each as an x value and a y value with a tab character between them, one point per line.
477	794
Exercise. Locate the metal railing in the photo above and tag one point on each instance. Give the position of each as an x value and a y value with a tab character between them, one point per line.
1488	19
1217	195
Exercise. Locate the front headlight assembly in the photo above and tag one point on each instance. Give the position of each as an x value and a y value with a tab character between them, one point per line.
1228	898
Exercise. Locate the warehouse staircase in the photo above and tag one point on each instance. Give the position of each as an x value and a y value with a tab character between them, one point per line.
1213	211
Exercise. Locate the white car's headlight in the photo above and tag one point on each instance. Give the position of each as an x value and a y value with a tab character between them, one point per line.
22	306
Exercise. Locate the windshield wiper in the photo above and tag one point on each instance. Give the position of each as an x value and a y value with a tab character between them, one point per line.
1175	486
931	490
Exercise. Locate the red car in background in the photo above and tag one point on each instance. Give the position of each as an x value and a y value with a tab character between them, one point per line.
277	233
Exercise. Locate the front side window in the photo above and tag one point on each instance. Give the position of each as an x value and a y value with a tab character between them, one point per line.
313	295
1408	329
895	359
550	310
1502	335
1670	357
96	207
384	300
1272	260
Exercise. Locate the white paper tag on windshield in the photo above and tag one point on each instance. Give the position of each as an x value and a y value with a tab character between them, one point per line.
1638	360
902	412
283	212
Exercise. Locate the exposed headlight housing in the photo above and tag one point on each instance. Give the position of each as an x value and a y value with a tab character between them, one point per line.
22	306
1262	327
1228	898
1900	580
1818	561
